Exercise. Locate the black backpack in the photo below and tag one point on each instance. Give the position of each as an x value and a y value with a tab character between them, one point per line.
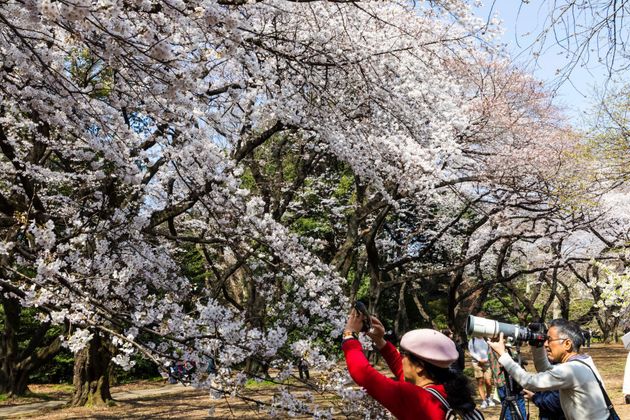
456	414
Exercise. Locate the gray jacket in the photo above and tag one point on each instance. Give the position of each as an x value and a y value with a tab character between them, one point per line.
580	395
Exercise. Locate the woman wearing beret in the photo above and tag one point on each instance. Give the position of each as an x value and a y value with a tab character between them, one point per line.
422	364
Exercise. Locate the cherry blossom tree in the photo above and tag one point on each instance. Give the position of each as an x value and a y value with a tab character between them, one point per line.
125	129
296	151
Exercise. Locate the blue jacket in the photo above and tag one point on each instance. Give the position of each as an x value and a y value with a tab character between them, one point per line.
548	402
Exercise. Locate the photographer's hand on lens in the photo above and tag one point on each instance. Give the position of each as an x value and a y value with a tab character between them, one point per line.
377	333
498	346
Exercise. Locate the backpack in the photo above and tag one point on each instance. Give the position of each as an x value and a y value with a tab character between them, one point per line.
453	413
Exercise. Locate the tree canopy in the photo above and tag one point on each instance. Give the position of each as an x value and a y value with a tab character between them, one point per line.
196	179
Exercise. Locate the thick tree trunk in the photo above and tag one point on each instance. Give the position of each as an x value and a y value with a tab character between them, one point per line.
255	316
16	363
92	369
14	383
609	328
9	346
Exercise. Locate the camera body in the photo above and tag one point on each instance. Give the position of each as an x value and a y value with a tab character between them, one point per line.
483	327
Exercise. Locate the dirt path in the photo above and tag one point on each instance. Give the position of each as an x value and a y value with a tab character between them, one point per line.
27	410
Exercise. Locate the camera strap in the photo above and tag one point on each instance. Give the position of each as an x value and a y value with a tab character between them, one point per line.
454	414
612	414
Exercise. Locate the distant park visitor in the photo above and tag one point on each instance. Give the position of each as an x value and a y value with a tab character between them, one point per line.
588	334
626	374
480	352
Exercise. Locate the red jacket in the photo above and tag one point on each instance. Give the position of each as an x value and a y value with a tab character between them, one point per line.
403	399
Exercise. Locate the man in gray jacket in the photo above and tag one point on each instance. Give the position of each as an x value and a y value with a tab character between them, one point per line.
580	395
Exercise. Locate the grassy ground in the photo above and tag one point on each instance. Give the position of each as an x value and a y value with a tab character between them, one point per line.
53	392
195	404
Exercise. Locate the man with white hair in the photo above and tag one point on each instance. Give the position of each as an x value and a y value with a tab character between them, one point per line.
582	395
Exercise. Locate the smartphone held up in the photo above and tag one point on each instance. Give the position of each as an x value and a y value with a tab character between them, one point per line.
367	318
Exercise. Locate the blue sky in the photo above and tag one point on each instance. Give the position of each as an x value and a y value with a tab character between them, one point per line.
522	23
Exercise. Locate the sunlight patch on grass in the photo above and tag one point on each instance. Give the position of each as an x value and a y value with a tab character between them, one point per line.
258	384
63	388
40	396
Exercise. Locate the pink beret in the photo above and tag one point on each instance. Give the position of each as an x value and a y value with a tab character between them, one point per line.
431	346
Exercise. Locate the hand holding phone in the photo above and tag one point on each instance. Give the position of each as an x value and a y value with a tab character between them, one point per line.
367	318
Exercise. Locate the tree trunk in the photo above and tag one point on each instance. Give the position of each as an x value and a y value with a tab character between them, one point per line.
9	346
14	383
401	323
421	305
255	316
16	364
92	369
13	377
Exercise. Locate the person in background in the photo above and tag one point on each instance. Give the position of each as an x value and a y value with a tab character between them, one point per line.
302	365
479	351
626	373
587	333
548	403
498	375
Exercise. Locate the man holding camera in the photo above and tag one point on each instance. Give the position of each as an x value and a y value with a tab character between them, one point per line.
574	374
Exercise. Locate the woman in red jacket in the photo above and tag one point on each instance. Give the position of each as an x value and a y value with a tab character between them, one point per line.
423	362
